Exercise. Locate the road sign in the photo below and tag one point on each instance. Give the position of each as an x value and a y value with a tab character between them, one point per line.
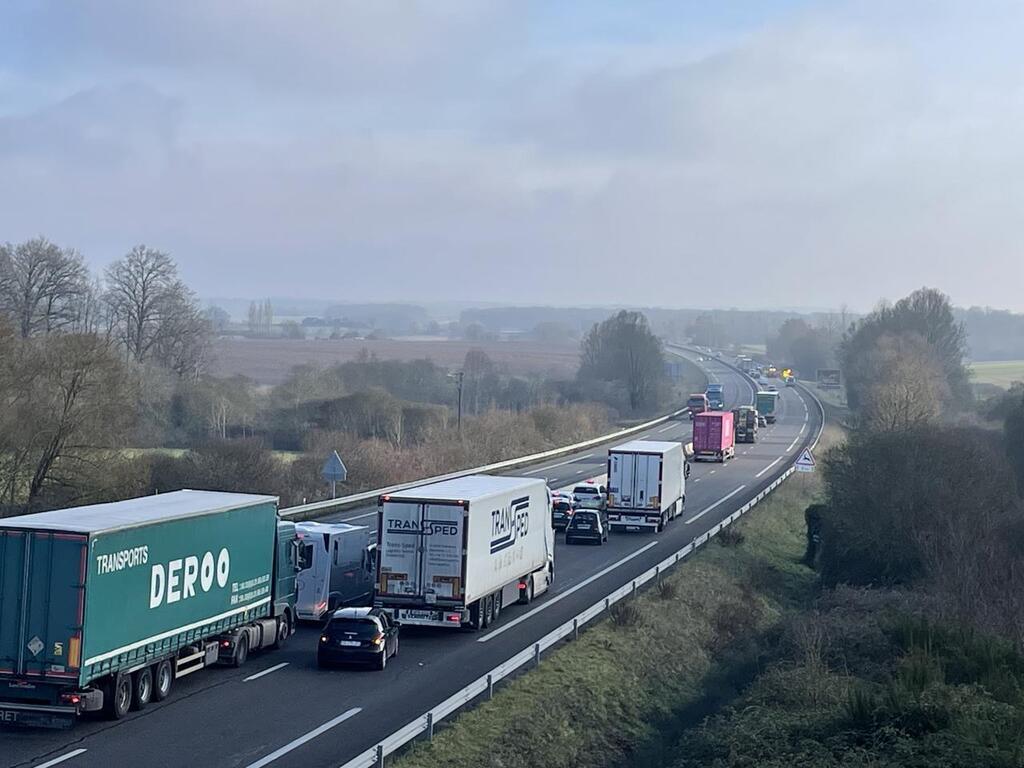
334	469
334	472
806	461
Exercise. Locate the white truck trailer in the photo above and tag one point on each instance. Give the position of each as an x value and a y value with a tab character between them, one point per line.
455	552
646	484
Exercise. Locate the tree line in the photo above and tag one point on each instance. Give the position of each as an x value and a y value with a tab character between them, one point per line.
926	492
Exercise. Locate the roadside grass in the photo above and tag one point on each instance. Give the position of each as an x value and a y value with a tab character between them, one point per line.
998	373
630	680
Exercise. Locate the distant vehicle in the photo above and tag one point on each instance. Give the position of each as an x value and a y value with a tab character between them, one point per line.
790	380
336	565
455	552
590	496
772	388
587	525
716	396
761	421
771	372
562	510
103	607
713	436
762	383
358	635
697	403
745	424
766	400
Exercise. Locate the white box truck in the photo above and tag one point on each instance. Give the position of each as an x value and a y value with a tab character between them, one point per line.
455	552
646	484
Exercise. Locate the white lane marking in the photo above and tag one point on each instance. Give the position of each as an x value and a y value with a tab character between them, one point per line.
548	603
61	759
697	480
267	671
802	430
712	472
666	429
720	501
768	467
293	745
795	440
359	517
581	472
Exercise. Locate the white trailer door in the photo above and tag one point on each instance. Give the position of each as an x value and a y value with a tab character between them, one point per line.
441	564
400	548
628	478
642	482
650	479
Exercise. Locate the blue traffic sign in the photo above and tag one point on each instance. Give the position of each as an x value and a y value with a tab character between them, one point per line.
334	470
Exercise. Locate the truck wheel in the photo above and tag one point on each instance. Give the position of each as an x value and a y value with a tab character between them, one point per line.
142	688
241	650
284	630
486	608
119	701
163	679
496	611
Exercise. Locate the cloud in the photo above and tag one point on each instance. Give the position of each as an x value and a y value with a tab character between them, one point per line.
408	151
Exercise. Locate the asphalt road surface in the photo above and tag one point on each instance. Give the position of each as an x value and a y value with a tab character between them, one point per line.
281	710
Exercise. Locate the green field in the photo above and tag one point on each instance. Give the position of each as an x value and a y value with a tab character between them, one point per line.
1001	373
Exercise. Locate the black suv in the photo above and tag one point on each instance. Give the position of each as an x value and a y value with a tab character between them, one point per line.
587	525
365	635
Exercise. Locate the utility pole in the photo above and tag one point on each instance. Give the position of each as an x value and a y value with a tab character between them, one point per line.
458	382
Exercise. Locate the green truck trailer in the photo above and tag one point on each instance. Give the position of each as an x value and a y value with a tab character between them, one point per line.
102	607
765	401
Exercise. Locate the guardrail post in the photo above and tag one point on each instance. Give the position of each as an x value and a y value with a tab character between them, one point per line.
634	587
380	756
657	574
576	629
430	726
490	687
607	603
536	654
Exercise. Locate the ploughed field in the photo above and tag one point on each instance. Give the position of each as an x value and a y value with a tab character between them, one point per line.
268	361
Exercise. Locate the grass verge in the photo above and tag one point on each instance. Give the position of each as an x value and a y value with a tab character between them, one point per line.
606	698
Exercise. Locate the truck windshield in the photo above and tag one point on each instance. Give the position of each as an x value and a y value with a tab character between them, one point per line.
364	629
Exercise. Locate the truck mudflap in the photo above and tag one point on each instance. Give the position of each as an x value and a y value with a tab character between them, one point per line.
37	715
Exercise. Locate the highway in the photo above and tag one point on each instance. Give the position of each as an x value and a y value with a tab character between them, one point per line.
281	710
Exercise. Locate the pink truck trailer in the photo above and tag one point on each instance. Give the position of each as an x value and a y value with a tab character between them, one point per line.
713	438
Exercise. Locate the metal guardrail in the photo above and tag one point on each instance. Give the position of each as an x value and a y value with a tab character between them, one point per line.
425	723
320	508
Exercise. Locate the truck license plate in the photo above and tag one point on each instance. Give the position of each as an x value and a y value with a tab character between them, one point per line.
410	613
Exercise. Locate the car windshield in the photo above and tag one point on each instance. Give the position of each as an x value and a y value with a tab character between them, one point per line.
363	629
584	518
586	489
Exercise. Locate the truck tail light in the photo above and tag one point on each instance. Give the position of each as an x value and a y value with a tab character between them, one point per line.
454	618
523	585
70	698
321	606
225	643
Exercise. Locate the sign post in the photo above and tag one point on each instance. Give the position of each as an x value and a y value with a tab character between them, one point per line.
334	472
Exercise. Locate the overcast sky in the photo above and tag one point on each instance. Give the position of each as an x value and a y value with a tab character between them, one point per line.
747	154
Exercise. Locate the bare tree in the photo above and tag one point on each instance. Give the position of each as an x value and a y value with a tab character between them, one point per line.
907	387
41	286
68	402
153	314
623	349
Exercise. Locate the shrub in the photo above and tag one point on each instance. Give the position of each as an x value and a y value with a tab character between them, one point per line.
731	537
626	614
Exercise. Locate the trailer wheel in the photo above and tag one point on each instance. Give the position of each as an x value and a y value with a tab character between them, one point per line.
163	679
284	630
241	650
118	697
496	611
142	688
486	609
